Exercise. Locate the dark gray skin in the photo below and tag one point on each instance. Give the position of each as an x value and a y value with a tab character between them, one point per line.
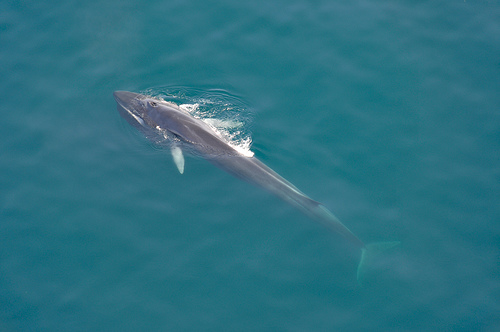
157	117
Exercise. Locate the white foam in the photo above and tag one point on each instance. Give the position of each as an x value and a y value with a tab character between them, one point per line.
224	128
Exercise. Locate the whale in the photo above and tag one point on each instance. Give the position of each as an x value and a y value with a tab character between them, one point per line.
161	120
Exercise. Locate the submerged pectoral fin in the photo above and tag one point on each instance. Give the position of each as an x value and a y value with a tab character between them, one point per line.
178	158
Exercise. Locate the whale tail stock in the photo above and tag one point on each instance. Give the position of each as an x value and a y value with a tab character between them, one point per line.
369	252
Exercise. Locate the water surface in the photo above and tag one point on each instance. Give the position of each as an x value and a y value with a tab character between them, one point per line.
387	112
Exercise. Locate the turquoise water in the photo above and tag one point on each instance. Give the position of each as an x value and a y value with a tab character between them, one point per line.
388	112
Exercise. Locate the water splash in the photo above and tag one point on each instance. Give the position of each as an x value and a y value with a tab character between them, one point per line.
227	114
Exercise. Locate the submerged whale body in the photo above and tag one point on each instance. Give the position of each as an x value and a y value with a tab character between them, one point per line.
158	118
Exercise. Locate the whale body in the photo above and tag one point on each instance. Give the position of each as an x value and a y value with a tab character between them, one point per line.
158	118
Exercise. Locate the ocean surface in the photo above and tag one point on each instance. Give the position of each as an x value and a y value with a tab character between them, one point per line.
387	112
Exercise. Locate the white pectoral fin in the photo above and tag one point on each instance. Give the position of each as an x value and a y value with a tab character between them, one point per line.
178	158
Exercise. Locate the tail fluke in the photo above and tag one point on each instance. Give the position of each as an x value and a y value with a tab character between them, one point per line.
370	251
